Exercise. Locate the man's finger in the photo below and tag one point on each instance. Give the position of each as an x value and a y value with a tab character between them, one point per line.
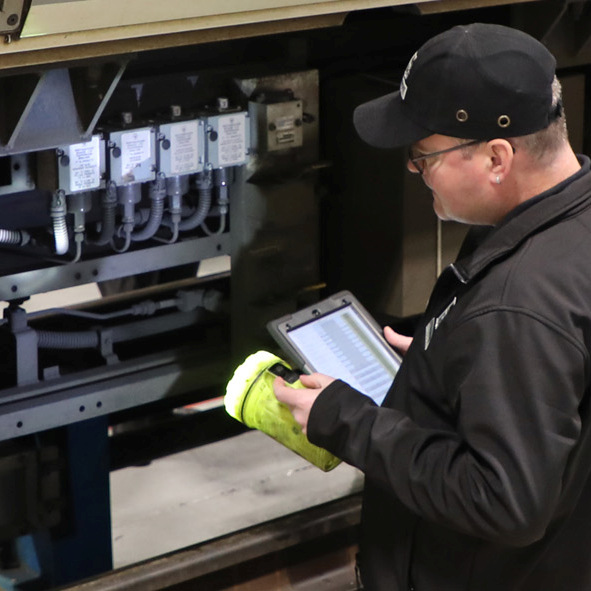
310	381
398	341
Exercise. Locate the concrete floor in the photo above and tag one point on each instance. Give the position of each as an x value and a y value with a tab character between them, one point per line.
197	495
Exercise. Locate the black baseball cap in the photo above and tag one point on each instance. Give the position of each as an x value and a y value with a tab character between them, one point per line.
477	81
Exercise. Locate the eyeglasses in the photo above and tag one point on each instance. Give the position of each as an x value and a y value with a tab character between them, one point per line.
420	168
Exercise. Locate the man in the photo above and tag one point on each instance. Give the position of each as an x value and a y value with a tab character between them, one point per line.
477	465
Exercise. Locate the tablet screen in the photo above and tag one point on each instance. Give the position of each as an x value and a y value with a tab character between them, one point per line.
341	345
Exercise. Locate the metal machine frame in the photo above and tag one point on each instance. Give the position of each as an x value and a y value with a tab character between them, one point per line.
292	197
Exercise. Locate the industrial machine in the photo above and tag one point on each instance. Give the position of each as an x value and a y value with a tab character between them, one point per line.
193	167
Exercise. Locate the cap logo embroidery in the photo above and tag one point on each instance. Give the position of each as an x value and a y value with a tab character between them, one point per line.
403	84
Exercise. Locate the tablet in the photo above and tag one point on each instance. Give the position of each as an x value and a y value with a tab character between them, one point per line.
339	338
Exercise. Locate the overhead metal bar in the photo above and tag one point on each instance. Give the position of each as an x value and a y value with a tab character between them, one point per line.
107	27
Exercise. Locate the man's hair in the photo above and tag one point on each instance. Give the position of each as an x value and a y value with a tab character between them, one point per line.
546	142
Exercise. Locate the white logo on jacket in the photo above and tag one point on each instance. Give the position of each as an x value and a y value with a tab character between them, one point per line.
435	322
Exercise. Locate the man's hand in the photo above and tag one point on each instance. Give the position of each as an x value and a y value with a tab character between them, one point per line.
398	341
298	400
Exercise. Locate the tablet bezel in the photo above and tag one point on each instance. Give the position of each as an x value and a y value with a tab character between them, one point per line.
281	327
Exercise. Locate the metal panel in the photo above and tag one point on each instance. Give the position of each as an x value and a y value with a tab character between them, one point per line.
102	391
113	267
51	49
44	110
275	221
50	17
41	126
137	25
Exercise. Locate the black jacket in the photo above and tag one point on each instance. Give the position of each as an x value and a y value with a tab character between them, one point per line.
478	463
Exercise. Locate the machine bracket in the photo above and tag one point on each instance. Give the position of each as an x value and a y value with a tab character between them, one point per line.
13	14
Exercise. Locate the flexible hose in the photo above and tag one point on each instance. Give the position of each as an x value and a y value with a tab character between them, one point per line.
204	184
184	301
176	187
79	239
223	199
68	340
157	196
60	229
14	237
221	228
126	243
203	207
109	206
127	196
60	232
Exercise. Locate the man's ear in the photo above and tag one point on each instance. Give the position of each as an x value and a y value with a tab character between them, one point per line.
500	153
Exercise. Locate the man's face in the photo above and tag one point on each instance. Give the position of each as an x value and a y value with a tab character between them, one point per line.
459	180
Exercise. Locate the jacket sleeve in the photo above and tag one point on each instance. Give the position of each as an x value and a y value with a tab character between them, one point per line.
515	383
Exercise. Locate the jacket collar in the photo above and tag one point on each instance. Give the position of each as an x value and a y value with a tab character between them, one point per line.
571	195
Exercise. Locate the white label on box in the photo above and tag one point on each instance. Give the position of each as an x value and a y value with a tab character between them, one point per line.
184	150
232	139
136	148
85	165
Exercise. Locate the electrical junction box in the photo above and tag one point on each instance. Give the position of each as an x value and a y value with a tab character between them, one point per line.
82	167
132	155
181	147
277	126
228	138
